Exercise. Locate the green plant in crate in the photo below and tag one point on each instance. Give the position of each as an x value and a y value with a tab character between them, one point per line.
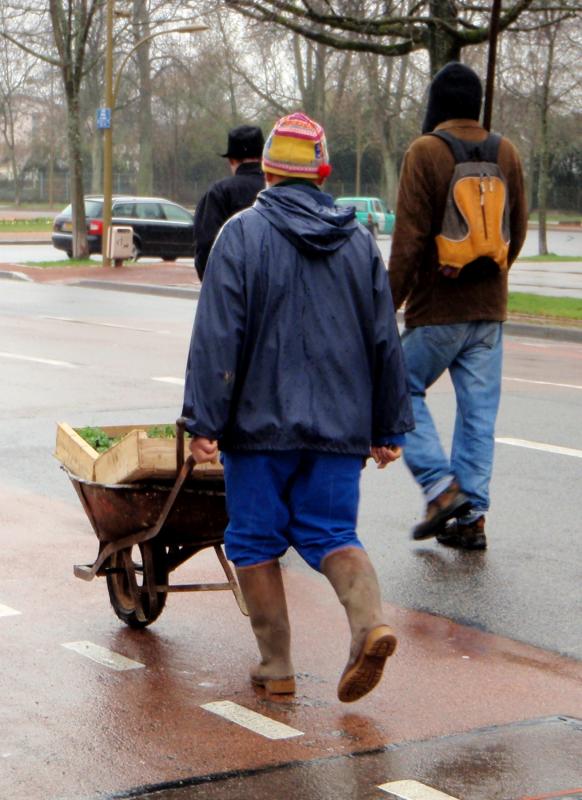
162	432
97	438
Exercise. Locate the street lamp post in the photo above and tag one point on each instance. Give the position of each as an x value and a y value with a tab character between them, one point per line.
111	91
108	136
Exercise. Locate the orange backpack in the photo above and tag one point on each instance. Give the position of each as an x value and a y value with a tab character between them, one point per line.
475	227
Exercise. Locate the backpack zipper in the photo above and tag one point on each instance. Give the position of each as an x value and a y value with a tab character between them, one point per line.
482	201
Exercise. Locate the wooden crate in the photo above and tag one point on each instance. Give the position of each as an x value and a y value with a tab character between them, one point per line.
135	457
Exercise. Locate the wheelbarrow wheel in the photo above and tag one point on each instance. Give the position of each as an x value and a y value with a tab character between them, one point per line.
129	572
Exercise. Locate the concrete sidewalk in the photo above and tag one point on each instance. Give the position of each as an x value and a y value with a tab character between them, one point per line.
151	277
179	279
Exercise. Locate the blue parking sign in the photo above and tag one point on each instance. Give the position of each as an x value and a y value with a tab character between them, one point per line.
103	118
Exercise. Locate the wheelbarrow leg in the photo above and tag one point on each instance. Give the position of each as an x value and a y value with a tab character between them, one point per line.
132	585
232	580
149	576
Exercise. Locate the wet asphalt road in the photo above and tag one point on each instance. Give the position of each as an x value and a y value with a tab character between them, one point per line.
488	641
559	279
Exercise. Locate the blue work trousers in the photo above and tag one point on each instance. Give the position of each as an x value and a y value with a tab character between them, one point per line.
297	498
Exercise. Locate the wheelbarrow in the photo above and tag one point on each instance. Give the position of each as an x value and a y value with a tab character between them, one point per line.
148	529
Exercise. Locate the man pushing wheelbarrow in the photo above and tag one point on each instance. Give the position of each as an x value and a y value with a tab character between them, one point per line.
295	373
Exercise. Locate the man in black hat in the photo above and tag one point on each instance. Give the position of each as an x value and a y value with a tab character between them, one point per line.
229	195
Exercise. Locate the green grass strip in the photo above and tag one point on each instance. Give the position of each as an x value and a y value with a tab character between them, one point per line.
550	257
557	216
536	305
37	225
69	262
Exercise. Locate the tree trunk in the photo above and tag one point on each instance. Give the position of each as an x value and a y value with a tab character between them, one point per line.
70	35
544	153
359	152
310	66
387	99
543	182
10	139
391	178
145	175
15	178
442	46
80	245
97	163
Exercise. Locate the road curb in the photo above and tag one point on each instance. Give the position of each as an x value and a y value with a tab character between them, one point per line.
15	276
511	328
542	332
531	330
27	242
139	288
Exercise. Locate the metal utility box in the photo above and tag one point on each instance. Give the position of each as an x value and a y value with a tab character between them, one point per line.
120	242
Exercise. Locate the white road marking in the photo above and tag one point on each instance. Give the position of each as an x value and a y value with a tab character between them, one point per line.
103	324
177	381
537	345
413	790
546	448
545	383
103	656
269	728
51	362
6	611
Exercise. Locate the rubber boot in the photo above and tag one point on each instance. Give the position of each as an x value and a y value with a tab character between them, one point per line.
353	577
264	594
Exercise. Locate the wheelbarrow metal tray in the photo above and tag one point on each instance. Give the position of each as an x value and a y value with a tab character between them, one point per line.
116	511
135	457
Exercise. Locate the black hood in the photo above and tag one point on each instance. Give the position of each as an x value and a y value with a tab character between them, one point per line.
455	93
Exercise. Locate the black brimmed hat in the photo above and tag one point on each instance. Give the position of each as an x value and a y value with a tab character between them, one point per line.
246	141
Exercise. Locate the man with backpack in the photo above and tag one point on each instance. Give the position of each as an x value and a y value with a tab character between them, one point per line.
461	220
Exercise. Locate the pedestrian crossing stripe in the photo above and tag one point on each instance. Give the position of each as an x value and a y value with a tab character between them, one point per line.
413	790
175	381
258	723
568	794
545	383
103	656
6	611
546	448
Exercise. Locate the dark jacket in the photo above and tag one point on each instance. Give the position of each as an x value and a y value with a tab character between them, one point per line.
431	298
221	201
295	344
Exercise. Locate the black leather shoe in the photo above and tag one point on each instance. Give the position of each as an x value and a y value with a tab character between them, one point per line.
464	537
448	504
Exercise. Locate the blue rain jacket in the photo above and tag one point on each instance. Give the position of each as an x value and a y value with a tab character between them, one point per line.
295	344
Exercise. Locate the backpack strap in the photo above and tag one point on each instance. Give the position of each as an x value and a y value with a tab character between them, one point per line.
463	150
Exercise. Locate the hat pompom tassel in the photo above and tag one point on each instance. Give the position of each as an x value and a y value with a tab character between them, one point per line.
324	170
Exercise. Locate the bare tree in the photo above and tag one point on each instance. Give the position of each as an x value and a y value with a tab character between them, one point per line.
16	69
141	30
393	27
542	71
70	21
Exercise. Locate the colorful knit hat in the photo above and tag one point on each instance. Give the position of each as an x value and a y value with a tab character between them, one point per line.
296	148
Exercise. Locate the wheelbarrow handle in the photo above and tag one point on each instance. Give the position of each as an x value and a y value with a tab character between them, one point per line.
88	572
180	439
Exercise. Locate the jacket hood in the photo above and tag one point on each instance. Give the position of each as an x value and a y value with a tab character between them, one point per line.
307	218
455	93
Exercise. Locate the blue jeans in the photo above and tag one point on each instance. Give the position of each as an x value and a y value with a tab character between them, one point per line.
472	353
